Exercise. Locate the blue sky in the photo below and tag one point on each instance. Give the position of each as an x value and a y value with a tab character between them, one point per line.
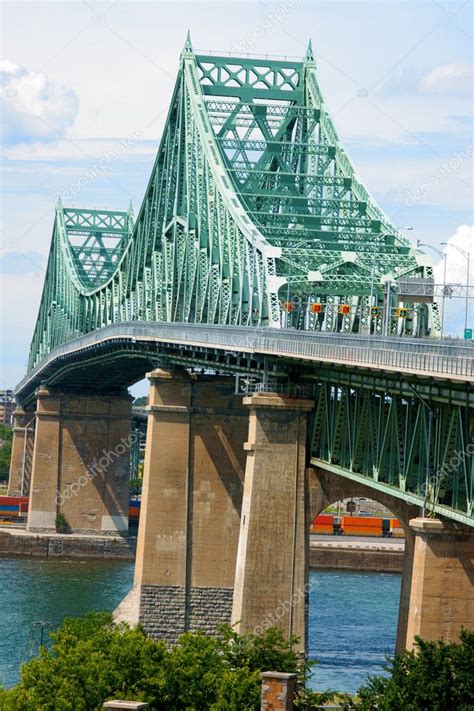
87	85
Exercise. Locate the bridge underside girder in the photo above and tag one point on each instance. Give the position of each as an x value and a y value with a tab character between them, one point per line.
408	436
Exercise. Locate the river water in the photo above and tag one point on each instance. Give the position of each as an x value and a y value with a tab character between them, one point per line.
352	619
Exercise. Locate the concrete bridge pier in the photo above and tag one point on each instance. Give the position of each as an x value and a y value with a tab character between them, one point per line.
442	586
272	560
22	452
190	513
81	461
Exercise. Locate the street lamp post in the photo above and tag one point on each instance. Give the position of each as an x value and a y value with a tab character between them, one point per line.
467	257
42	624
377	242
443	256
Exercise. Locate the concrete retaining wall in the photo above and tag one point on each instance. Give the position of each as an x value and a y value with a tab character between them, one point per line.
370	560
66	546
115	547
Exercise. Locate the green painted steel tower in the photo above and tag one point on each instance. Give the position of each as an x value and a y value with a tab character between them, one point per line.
253	215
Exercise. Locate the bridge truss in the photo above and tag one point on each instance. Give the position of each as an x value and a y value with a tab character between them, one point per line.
253	216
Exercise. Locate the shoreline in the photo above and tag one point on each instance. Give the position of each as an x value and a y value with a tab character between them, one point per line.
21	543
375	555
369	555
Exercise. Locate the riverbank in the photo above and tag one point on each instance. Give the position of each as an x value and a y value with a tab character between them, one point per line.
364	555
19	542
326	552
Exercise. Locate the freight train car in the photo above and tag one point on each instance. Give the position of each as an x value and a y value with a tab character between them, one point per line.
13	507
357	526
133	511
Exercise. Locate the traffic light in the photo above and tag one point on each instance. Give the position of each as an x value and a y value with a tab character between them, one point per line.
287	306
401	313
344	309
316	308
374	310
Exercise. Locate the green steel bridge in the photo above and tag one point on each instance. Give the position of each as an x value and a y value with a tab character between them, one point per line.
258	252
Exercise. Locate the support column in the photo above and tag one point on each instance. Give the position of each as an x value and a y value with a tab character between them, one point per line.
442	585
22	452
81	462
191	502
272	561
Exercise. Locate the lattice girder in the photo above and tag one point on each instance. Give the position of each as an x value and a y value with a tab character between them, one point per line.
252	201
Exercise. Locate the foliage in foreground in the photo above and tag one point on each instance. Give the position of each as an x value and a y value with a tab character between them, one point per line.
92	660
435	677
6	438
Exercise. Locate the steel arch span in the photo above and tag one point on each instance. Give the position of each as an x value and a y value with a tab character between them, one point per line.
253	216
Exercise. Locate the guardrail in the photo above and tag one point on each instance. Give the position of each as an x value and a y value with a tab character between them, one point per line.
442	359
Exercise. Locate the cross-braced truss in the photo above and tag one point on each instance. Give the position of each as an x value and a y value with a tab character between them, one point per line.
388	440
253	216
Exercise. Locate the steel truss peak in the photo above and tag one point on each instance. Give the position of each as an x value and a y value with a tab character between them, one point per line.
253	216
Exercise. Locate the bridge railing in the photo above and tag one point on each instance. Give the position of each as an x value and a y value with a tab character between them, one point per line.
441	359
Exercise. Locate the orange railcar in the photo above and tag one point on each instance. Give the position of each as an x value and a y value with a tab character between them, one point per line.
13	506
323	524
397	529
362	526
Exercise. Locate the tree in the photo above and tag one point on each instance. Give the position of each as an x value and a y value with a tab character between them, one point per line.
92	660
6	437
435	676
141	401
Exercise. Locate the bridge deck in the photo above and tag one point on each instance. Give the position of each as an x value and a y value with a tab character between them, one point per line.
441	360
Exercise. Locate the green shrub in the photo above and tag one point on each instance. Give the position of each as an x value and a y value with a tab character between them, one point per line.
92	660
438	676
62	525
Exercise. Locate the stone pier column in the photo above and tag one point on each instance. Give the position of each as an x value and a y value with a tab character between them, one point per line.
442	585
190	512
272	564
278	691
22	452
81	462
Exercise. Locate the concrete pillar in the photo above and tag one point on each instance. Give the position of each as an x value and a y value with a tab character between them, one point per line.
405	589
81	462
191	502
442	585
272	561
22	452
278	691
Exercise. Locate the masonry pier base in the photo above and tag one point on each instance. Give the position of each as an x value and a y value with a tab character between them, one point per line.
192	494
80	465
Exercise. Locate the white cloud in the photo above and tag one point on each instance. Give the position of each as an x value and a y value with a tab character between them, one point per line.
456	273
454	77
456	264
33	108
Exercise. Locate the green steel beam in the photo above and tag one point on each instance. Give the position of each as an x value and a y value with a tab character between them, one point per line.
393	491
251	195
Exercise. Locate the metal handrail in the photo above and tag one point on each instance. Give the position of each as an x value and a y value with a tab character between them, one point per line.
440	359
